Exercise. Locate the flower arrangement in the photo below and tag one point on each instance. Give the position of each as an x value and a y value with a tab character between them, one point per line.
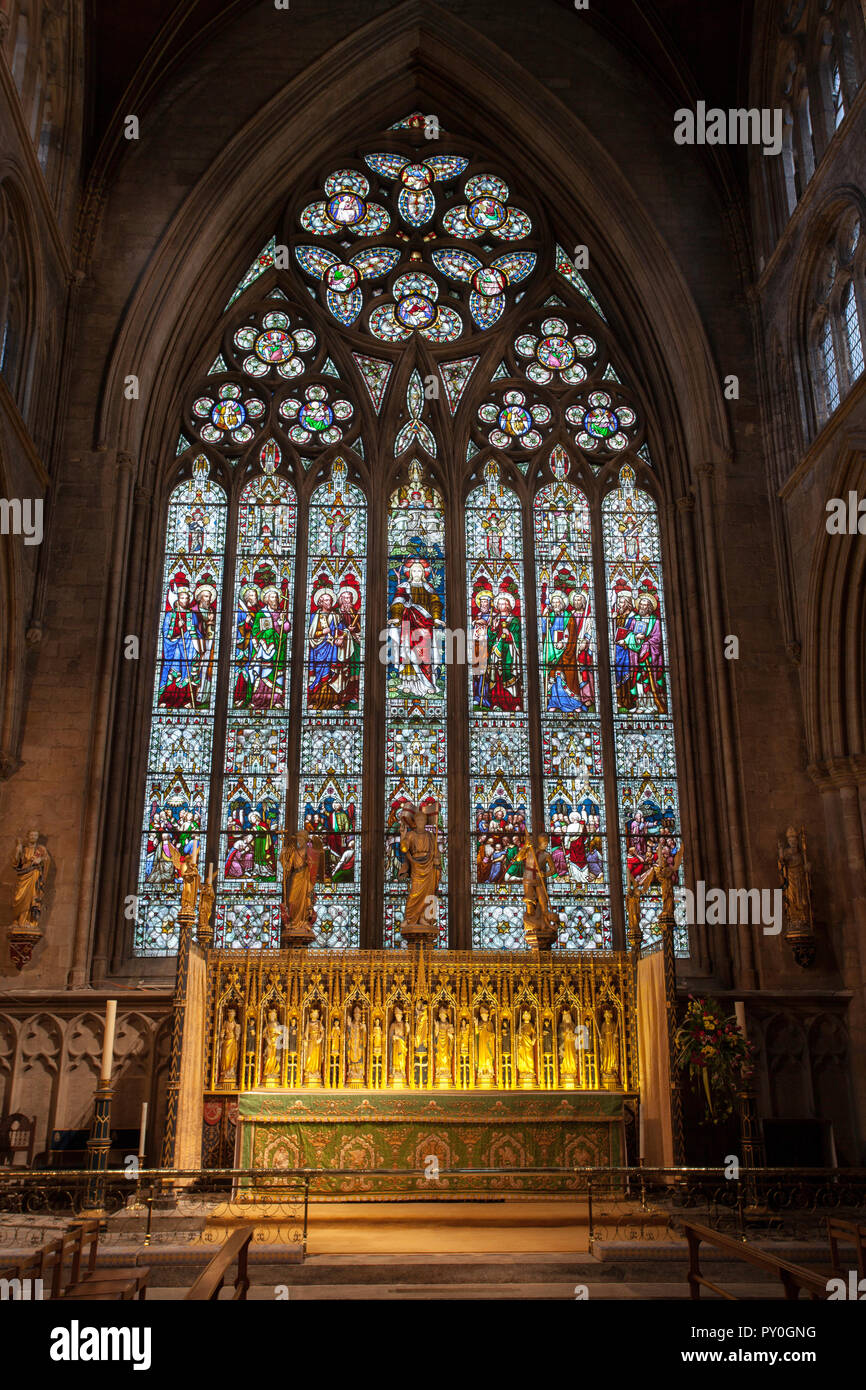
718	1058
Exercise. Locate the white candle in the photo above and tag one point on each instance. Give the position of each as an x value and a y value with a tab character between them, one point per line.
740	1011
142	1128
640	1132
108	1043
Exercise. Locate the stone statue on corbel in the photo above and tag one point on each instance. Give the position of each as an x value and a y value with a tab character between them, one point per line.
300	859
540	925
419	846
31	863
795	873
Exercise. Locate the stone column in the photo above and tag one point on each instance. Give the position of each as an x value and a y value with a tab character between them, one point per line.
744	944
843	781
110	655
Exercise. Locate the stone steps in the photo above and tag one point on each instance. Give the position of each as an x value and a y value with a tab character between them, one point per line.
624	1269
559	1292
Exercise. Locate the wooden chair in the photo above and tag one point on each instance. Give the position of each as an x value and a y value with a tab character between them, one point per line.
209	1283
80	1240
38	1268
847	1233
85	1279
17	1136
99	1289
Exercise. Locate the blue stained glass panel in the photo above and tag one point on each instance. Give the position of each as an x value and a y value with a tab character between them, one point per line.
249	881
332	732
500	803
574	800
179	757
647	801
415	682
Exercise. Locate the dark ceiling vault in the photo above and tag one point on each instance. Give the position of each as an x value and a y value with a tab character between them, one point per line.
694	48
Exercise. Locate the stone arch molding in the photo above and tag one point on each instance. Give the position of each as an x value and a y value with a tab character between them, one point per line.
826	219
834	669
440	64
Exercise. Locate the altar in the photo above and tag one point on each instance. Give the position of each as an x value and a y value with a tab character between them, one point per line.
434	1134
419	1061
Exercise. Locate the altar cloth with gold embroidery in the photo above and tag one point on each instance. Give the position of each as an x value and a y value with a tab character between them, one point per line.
380	1130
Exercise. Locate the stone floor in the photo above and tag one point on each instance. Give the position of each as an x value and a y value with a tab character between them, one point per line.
439	1250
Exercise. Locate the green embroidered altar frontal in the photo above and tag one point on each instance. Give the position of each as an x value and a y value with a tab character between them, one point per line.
375	1130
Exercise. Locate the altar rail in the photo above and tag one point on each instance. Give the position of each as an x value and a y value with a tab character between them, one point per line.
402	1020
624	1202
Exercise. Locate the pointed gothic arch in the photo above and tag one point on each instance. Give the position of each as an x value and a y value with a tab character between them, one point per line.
673	346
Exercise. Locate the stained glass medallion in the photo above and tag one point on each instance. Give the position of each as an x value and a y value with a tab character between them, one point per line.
341	283
487	212
487	283
555	352
318	415
601	423
416	307
346	208
273	345
228	415
513	419
416	201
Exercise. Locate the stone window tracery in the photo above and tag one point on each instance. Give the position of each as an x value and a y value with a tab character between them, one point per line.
836	340
346	402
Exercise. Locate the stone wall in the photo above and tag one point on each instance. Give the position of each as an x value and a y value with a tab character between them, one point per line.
165	225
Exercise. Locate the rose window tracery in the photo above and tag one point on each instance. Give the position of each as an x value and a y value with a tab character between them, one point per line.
271	346
556	354
318	417
514	419
345	208
487	212
229	417
601	423
415	309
